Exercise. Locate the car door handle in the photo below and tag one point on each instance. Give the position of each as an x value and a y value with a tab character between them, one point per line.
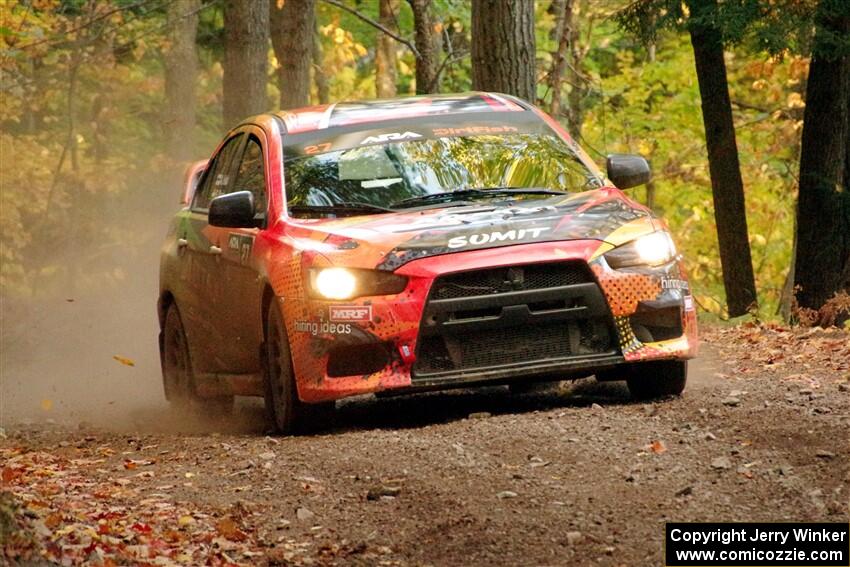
215	250
182	243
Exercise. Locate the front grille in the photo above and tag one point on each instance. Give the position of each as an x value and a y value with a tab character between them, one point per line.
508	346
502	280
498	317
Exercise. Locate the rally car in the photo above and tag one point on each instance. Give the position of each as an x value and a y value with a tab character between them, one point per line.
413	244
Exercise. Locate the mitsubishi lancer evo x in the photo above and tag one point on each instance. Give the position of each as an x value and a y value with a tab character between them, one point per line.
415	244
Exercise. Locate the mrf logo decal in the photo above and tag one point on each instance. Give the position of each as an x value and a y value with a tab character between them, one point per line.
481	238
391	137
242	245
350	313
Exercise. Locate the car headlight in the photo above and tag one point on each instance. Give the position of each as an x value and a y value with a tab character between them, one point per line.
652	249
335	283
348	283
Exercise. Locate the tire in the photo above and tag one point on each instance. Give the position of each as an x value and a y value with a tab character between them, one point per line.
281	396
178	379
657	379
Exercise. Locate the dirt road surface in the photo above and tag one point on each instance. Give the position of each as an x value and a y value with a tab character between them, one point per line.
578	475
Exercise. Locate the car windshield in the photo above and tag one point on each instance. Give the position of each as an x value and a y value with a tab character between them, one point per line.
413	173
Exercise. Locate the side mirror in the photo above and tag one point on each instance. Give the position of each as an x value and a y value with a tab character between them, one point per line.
626	170
191	177
234	210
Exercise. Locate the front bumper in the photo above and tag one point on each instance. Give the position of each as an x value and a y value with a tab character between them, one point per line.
421	340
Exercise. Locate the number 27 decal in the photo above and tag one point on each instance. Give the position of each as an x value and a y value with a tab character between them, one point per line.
315	149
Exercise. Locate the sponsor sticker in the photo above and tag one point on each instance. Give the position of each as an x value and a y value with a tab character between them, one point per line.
322	327
674	283
496	236
350	313
241	244
390	137
469	130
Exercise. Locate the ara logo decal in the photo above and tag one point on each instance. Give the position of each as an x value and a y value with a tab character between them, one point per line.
391	137
496	236
359	313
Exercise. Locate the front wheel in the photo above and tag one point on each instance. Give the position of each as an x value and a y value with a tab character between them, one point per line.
657	379
281	396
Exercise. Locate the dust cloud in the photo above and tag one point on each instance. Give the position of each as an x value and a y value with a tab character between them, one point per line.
59	347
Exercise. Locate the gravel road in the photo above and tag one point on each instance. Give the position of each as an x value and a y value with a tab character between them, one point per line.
577	475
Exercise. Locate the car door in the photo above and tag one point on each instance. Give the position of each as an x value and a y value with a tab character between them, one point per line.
238	308
203	246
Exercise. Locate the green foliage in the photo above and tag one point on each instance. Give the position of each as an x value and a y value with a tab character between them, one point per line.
775	27
653	108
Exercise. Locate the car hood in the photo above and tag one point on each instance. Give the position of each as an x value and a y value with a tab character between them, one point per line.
389	241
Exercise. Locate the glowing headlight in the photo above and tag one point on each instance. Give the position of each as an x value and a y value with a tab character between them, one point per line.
348	283
655	248
335	283
650	250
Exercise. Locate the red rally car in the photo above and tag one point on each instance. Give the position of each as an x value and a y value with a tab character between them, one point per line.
414	244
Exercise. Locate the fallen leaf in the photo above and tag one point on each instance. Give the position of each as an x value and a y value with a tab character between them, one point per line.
657	447
124	361
141	528
9	474
228	529
53	519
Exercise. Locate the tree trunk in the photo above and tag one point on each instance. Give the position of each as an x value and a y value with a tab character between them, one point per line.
786	298
385	51
319	77
822	265
503	47
181	68
246	37
292	26
562	10
726	183
579	86
428	41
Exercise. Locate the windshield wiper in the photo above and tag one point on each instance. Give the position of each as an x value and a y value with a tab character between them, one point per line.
464	194
350	206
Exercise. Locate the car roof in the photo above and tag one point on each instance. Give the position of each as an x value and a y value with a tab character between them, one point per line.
321	117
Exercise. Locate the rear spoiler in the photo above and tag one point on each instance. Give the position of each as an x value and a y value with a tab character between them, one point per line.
190	180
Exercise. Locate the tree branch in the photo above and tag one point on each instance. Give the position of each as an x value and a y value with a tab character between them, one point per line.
374	24
88	23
